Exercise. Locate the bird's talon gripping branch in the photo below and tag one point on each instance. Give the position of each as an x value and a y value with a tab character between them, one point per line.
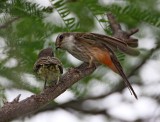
44	87
91	64
57	82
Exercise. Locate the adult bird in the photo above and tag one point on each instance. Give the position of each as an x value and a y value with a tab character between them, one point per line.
98	49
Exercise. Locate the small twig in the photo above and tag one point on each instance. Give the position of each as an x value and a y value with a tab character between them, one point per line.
113	23
117	30
132	31
16	100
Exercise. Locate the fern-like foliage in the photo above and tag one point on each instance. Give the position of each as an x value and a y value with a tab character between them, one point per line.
22	8
64	12
25	31
133	16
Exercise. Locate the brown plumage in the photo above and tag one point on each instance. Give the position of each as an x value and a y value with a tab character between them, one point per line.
48	67
96	48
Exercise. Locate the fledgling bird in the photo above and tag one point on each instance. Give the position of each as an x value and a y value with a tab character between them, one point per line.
98	49
48	67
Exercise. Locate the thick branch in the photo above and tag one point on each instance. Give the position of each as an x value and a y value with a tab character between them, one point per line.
16	109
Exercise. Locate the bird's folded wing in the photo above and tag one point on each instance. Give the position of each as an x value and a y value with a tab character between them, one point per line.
56	61
112	42
46	61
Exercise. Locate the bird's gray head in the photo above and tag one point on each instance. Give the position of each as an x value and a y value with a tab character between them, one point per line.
65	41
46	52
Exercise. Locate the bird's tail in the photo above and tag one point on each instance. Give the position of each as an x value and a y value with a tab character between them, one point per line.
109	59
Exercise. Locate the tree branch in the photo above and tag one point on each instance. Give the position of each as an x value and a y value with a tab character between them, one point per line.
12	110
117	30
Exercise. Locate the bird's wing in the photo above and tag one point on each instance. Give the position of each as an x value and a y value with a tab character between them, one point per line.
56	61
112	42
46	61
41	61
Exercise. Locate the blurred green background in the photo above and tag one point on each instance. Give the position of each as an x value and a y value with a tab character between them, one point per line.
26	27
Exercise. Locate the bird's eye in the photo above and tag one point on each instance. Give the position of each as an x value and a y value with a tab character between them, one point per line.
61	37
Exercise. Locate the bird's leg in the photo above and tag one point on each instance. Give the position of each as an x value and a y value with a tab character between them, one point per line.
45	83
57	80
91	64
